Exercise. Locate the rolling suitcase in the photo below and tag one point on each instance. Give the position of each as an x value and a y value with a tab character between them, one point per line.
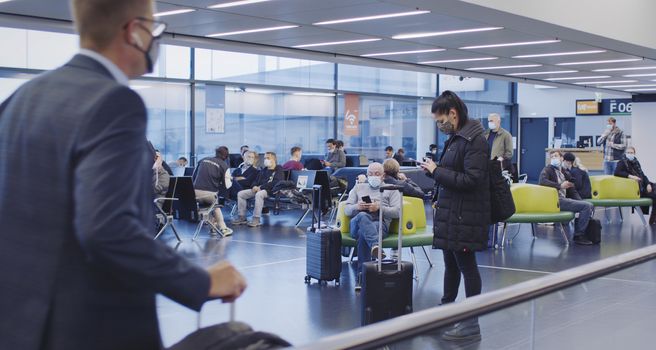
324	246
386	285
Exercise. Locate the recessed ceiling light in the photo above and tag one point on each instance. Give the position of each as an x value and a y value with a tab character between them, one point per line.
506	67
621	69
448	32
236	3
654	89
629	86
510	44
605	82
548	72
336	43
560	54
5	0
134	87
580	78
400	52
599	62
640	75
323	94
169	13
251	31
369	18
460	60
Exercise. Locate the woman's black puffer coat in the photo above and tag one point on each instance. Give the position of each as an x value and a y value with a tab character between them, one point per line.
462	214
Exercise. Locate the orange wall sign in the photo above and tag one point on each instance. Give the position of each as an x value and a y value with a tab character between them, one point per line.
351	114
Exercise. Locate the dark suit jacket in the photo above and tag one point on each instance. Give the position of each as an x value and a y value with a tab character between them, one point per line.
548	177
79	268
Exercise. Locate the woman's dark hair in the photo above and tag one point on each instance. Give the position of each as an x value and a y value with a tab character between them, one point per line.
446	101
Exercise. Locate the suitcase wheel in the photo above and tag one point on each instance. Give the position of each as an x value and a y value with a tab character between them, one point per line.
307	279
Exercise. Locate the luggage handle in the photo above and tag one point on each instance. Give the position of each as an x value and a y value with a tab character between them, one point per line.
316	198
223	243
380	226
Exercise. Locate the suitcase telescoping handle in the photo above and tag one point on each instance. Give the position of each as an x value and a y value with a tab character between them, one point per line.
380	226
316	199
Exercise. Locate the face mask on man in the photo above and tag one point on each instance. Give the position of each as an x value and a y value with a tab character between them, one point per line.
630	156
609	126
491	125
446	127
555	162
374	181
150	53
268	163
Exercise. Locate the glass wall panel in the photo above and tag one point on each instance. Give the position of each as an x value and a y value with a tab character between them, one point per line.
168	106
266	120
259	69
173	62
386	81
468	89
385	121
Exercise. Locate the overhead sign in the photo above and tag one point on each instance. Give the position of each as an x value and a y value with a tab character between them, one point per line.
616	106
587	107
351	114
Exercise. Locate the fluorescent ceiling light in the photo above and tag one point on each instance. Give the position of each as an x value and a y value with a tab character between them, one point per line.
323	94
654	89
606	82
169	13
5	1
336	43
621	69
369	18
460	60
506	67
544	87
640	75
251	31
235	3
400	52
560	54
511	44
580	78
549	72
134	87
629	86
599	62
448	32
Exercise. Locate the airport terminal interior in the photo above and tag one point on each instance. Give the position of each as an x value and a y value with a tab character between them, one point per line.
277	74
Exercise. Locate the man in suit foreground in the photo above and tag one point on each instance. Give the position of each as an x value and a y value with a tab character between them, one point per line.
78	264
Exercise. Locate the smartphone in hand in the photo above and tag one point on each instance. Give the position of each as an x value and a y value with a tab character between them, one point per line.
366	199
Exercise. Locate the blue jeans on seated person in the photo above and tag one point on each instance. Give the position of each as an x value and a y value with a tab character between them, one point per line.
583	208
364	229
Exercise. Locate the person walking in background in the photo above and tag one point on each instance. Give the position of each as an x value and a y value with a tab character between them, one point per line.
85	275
499	141
614	142
462	214
629	167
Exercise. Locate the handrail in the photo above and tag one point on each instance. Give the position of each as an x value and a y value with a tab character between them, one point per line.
406	326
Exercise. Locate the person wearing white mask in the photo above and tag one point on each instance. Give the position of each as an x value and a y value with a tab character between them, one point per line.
614	142
499	141
629	167
554	175
362	206
244	175
267	178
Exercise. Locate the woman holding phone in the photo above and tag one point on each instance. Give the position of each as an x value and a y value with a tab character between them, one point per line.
462	215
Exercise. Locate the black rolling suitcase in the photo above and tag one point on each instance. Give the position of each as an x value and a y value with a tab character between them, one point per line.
324	246
386	285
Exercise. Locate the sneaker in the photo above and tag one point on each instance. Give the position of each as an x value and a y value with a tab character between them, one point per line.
213	232
374	253
468	330
226	231
254	223
240	221
581	240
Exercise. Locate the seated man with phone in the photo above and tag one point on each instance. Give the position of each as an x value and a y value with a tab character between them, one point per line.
362	206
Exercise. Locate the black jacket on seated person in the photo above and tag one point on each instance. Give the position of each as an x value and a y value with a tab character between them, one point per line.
627	167
581	181
549	178
210	175
410	188
268	178
250	175
462	215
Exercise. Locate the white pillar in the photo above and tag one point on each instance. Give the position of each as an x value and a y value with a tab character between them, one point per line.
644	126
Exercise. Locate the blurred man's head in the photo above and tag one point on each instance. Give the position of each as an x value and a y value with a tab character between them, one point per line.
389	152
296	153
182	162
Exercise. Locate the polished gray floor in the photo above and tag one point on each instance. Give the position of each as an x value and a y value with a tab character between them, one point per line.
601	314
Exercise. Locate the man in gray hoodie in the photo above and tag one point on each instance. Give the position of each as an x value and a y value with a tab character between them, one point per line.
365	216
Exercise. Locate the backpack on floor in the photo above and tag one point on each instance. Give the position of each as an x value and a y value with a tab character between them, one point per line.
502	205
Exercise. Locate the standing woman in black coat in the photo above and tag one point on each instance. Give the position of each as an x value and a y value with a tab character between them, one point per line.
462	210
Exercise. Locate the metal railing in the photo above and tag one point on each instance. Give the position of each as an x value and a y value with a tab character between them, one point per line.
420	322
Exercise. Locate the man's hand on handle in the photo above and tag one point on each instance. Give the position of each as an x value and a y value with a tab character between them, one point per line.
226	282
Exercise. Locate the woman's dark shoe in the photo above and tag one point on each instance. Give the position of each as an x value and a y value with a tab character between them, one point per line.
466	330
